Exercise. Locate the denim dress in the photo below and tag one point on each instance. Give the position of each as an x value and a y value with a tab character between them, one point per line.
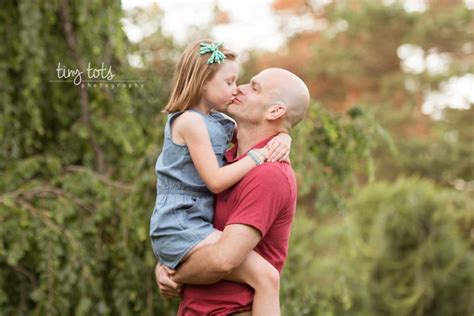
184	206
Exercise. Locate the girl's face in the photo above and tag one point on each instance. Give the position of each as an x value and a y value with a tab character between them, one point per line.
221	89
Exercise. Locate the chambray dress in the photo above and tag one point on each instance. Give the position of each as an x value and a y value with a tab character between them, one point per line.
184	206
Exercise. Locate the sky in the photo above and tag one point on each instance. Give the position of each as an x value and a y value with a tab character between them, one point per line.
241	35
182	15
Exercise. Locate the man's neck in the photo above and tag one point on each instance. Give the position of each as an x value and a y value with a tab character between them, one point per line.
249	136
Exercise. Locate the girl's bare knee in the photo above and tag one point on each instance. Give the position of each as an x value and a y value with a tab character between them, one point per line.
269	279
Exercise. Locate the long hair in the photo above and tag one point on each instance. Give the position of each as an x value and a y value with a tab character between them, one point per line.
190	75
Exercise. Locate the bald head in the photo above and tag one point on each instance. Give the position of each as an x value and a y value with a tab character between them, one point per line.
289	90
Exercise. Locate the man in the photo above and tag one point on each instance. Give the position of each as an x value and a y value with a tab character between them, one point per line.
256	213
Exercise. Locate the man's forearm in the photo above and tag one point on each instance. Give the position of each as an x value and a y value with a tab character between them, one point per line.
202	267
216	261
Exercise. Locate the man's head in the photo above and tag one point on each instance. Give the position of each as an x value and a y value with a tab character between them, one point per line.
274	97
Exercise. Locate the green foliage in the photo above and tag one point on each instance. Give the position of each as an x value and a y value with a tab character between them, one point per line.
79	246
77	182
330	150
355	60
399	252
317	279
76	165
442	156
412	258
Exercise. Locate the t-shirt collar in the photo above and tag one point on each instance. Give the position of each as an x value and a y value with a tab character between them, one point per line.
230	154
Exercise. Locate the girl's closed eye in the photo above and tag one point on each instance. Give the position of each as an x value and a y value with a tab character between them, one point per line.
232	81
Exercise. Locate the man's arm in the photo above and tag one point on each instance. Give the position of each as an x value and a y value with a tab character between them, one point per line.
214	262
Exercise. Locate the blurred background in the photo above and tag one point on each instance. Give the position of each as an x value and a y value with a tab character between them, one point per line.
384	160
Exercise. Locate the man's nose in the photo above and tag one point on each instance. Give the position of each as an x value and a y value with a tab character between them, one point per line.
240	89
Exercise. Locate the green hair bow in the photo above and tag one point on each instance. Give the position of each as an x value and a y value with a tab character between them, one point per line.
216	55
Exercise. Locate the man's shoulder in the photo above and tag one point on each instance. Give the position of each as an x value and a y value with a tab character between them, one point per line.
267	170
273	174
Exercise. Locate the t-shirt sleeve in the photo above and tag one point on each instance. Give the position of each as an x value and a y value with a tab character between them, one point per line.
264	195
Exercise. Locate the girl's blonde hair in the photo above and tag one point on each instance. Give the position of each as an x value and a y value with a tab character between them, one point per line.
190	75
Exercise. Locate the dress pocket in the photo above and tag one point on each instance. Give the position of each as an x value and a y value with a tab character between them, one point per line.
181	211
189	202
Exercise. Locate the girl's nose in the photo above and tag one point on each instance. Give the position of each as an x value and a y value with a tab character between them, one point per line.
235	91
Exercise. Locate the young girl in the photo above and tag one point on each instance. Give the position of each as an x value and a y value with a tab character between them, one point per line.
191	167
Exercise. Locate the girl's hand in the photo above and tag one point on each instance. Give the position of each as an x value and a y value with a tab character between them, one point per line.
279	148
262	153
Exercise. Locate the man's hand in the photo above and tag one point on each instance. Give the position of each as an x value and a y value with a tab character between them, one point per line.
168	288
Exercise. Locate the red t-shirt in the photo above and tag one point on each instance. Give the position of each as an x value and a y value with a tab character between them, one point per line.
264	199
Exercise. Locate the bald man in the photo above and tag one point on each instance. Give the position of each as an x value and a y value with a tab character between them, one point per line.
256	213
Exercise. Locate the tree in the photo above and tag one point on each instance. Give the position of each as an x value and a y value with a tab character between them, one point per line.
76	164
411	258
355	61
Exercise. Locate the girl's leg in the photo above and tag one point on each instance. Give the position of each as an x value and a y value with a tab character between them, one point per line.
265	280
256	272
212	238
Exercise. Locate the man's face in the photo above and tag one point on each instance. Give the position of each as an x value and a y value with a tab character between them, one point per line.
250	103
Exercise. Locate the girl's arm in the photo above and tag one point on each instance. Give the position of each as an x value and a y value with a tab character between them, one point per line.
192	129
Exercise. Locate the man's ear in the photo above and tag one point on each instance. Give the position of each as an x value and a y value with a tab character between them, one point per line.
276	111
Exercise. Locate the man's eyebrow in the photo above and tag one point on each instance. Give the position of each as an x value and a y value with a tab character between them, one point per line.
256	84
